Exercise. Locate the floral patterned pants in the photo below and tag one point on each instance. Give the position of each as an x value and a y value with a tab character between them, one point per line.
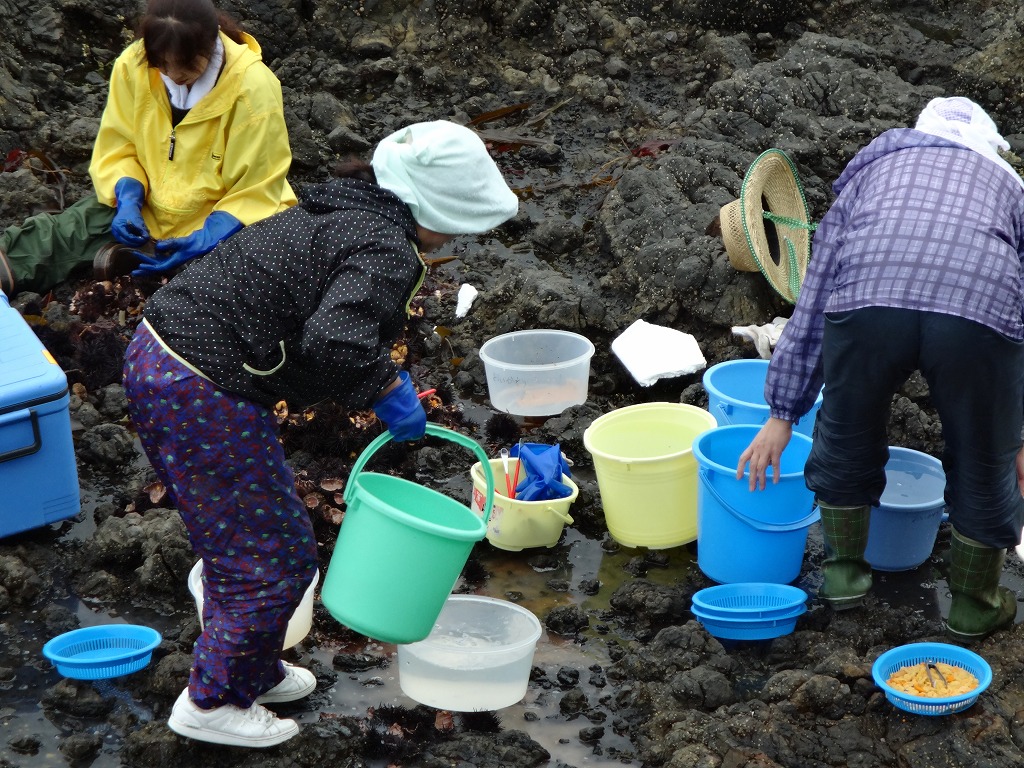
220	459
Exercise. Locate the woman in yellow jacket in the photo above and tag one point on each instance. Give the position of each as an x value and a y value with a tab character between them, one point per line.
192	146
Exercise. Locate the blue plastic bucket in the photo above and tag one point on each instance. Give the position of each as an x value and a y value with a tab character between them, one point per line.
904	526
745	535
736	395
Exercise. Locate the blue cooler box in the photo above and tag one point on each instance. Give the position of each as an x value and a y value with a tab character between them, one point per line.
38	476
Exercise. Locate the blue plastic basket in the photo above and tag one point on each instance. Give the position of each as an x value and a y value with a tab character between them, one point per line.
749	600
749	628
98	653
916	653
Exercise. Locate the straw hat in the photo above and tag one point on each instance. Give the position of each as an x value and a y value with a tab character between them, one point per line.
768	228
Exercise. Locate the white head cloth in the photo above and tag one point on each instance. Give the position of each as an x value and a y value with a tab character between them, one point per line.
187	96
446	176
961	120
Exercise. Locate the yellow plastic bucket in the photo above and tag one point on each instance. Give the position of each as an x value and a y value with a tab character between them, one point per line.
516	525
646	471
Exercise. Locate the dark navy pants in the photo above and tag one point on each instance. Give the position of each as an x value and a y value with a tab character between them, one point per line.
975	377
219	457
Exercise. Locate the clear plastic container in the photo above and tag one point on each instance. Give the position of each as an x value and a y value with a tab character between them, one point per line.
538	372
476	659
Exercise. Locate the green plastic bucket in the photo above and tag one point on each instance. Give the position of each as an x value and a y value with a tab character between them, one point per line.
646	472
400	549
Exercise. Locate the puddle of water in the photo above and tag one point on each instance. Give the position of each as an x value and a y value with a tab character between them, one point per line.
536	579
574	560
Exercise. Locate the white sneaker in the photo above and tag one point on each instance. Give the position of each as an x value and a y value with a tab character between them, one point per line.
231	725
298	682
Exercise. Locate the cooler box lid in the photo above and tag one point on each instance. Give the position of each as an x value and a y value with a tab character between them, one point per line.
28	373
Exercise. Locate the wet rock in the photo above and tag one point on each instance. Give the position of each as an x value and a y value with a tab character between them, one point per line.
650	603
702	688
573	702
553	238
487	751
153	547
78	698
567	677
170	675
112	403
79	747
542	562
87	415
566	620
545	154
357	662
108	446
344	141
825	695
784	684
58	619
24	745
21	582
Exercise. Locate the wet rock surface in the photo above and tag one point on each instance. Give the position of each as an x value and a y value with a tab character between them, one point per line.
625	126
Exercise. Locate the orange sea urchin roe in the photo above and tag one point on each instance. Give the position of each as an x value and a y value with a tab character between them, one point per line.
914	680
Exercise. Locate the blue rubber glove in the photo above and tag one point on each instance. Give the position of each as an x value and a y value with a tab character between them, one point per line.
178	250
401	411
128	227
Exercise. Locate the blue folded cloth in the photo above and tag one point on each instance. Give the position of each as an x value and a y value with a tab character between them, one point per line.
544	466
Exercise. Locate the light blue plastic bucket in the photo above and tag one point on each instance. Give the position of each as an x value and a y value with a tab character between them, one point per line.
745	535
736	395
903	528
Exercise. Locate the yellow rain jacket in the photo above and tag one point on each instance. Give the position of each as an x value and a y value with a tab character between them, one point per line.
230	152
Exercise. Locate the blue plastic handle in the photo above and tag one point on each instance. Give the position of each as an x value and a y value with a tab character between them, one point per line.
758	524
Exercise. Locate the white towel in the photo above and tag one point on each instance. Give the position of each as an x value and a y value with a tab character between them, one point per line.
465	299
764	336
651	352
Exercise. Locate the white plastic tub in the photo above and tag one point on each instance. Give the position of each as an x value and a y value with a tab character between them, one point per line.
299	624
537	373
476	659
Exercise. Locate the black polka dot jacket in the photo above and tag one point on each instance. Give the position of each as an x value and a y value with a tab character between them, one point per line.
301	306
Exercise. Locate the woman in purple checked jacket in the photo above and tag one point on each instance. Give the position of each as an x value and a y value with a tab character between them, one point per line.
916	265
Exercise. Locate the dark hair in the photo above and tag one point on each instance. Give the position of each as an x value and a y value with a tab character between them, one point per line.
181	31
354	168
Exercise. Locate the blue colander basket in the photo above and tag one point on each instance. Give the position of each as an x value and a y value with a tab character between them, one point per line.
916	653
749	610
749	600
98	653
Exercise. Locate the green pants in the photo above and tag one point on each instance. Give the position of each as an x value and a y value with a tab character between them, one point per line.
46	248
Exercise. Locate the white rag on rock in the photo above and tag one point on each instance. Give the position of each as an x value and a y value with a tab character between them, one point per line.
651	352
764	336
465	300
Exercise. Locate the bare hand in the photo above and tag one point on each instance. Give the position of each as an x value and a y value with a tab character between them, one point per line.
765	450
1020	471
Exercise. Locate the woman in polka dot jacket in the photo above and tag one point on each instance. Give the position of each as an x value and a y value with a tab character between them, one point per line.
301	306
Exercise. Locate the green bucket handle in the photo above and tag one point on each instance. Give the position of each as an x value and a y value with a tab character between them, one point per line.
436	431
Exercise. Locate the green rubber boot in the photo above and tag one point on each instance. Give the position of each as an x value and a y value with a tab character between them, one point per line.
979	606
847	574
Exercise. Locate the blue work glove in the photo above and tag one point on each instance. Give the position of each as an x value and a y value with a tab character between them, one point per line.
128	228
172	253
401	411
